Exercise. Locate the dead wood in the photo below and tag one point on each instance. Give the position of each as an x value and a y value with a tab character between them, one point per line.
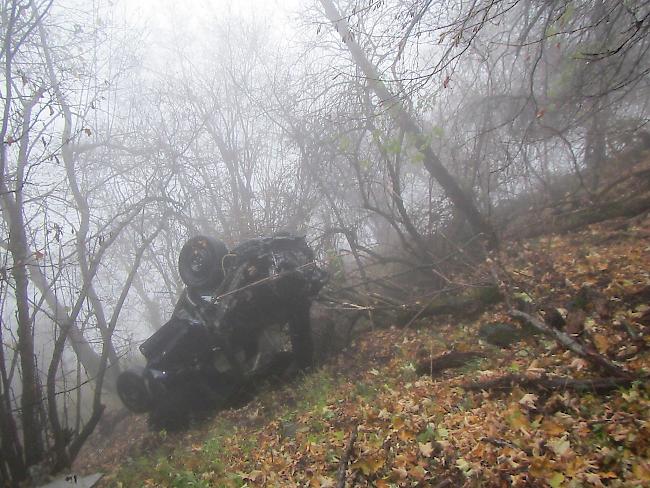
573	345
564	339
548	383
345	459
452	359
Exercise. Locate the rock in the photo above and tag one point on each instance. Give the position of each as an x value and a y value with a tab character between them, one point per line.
501	334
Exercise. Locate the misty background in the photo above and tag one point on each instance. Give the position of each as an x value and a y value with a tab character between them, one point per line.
396	135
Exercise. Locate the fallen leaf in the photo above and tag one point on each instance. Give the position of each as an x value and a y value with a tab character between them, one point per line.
254	476
575	322
602	343
516	418
464	466
371	464
642	471
405	435
556	480
551	428
418	472
578	364
399	473
426	449
528	400
326	482
560	446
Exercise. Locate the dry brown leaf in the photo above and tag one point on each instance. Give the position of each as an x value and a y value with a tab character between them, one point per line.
426	449
575	322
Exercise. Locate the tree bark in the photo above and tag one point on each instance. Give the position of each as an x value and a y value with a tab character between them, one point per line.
12	208
30	396
10	445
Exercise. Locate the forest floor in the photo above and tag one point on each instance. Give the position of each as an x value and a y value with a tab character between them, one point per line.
369	415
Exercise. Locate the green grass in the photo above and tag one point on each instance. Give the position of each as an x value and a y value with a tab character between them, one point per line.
315	389
182	467
199	465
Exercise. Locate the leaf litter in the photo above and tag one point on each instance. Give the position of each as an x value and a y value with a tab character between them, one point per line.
427	430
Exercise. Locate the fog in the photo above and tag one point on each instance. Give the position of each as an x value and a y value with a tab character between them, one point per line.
397	136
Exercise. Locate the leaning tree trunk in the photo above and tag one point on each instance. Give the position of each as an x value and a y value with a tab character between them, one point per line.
408	124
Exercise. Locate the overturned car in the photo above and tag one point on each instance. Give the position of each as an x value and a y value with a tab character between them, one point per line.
243	316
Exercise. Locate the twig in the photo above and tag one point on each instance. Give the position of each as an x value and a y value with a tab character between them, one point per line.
345	459
619	417
261	281
65	390
420	312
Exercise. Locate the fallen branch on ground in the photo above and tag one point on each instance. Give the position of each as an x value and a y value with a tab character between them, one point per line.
570	343
345	459
544	382
568	221
561	337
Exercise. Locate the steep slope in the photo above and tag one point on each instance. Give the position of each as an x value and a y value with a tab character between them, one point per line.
369	419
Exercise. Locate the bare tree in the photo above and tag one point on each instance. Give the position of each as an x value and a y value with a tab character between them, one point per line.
431	160
46	187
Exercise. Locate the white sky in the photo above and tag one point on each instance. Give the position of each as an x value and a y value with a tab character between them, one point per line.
164	15
165	20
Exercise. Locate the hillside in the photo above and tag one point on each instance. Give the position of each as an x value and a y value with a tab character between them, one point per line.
369	418
196	172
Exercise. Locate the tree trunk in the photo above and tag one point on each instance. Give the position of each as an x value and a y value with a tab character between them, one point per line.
408	124
30	396
11	449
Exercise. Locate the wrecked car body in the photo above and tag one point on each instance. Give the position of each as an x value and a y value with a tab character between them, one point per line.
243	316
